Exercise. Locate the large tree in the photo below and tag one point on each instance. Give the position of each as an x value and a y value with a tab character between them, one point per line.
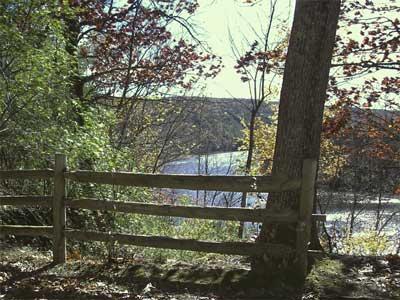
301	108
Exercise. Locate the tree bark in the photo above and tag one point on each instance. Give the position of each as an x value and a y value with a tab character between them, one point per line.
249	161
301	108
72	30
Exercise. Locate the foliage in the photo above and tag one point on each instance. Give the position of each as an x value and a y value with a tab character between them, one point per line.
265	56
87	78
37	112
364	84
326	273
366	243
264	137
34	67
115	55
332	158
154	226
113	50
132	50
180	228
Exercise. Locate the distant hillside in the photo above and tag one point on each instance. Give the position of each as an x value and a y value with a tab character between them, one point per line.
179	126
220	119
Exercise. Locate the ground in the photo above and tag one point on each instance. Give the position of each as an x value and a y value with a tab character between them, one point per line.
26	273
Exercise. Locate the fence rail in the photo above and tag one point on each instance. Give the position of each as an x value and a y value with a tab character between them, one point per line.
26	230
59	202
232	248
187	211
216	213
21	201
190	182
26	174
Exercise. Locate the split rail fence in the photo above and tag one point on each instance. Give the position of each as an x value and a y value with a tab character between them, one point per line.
59	202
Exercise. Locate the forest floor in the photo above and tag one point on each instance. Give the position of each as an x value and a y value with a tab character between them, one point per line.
28	274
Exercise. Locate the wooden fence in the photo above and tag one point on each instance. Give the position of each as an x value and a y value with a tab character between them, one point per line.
59	202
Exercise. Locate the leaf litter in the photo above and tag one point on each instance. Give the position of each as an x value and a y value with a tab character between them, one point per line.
26	273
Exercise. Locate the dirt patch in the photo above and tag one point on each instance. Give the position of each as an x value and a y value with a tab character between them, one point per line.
352	277
29	274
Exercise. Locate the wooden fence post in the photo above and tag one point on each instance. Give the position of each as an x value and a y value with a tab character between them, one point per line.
59	243
305	211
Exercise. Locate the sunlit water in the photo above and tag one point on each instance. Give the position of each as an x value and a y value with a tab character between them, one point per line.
338	212
227	163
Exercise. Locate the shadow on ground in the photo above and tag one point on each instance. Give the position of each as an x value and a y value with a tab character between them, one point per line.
27	274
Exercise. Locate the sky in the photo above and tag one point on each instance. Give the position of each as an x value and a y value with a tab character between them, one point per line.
214	22
215	19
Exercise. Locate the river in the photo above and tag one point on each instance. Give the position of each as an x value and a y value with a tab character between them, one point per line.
338	211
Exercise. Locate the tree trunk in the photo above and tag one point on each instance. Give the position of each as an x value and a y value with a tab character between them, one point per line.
301	108
72	31
249	161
